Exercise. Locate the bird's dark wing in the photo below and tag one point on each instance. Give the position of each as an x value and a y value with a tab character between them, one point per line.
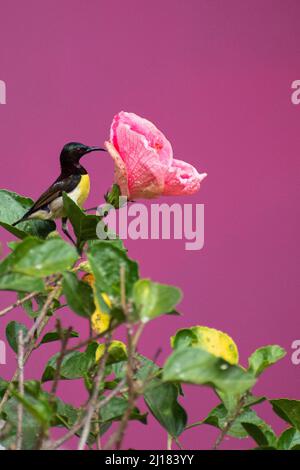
55	190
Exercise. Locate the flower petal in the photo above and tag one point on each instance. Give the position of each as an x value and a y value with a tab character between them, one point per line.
138	164
120	169
154	137
182	178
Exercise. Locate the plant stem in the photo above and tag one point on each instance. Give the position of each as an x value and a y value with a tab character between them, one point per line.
229	423
30	340
19	437
80	422
193	425
17	303
35	327
64	341
94	396
117	438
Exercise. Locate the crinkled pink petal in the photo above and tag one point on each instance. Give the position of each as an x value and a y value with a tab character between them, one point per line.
143	180
145	171
155	139
120	169
182	178
144	164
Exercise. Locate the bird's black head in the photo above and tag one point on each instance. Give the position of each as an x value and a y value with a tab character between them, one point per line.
73	151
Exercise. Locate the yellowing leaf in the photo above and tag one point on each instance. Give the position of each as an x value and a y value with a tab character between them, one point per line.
100	320
211	340
116	352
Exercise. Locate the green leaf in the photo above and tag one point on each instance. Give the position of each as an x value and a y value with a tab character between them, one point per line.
114	197
3	386
258	435
20	283
13	244
288	410
152	299
265	357
54	336
231	401
30	425
40	408
84	225
12	334
106	259
79	295
117	242
74	366
289	439
118	369
12	208
161	398
184	338
115	409
40	299
34	258
38	414
44	258
194	365
219	416
66	414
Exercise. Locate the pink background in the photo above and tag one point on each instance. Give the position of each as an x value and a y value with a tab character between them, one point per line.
216	77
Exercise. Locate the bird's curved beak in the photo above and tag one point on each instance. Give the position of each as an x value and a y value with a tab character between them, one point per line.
94	149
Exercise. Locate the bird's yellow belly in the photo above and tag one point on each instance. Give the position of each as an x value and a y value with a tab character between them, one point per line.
82	191
78	195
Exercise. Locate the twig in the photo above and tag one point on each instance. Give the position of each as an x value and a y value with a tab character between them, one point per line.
89	340
19	437
229	423
80	422
17	303
27	354
193	425
35	327
169	442
72	431
117	438
64	337
178	443
30	340
98	431
93	399
112	394
102	403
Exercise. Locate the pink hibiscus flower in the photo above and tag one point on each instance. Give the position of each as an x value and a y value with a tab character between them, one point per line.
144	163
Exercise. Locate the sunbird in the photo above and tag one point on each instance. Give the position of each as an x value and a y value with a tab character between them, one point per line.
73	179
